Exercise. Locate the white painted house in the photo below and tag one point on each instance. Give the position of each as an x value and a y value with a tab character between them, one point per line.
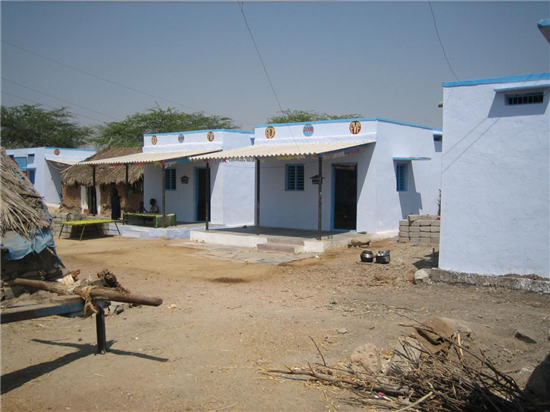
43	166
186	183
496	176
374	172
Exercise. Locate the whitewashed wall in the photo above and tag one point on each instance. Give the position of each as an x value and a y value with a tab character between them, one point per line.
424	176
379	205
495	188
231	184
47	177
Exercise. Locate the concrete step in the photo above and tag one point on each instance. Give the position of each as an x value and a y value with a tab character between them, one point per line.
279	247
285	241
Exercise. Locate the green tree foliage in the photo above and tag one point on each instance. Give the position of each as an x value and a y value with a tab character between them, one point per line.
32	126
296	116
130	131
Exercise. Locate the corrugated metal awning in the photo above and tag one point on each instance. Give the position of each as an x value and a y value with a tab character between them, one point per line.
61	160
283	150
149	157
410	159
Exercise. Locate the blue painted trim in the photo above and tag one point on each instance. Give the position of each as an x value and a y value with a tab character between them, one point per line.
176	179
509	79
408	159
362	119
405	185
514	88
286	178
70	148
200	131
543	23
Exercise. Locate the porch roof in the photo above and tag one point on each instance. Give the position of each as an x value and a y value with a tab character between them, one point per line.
286	150
149	157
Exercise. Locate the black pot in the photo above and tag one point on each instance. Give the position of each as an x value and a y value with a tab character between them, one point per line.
383	256
367	256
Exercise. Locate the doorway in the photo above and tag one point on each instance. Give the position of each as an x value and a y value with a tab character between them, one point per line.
92	200
344	196
202	194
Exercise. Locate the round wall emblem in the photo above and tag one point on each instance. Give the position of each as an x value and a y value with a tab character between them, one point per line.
56	152
181	138
308	130
154	140
210	136
270	132
355	127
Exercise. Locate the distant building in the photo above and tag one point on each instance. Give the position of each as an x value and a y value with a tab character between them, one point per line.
79	193
43	167
496	176
374	172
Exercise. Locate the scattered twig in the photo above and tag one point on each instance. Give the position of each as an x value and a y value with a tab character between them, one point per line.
319	350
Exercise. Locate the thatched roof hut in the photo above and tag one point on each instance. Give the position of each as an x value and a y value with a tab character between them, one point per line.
23	209
105	175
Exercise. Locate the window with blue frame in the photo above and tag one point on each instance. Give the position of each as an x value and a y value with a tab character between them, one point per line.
31	174
401	171
22	163
295	177
30	158
170	182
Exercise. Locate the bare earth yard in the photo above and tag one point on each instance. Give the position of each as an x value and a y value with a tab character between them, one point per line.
224	321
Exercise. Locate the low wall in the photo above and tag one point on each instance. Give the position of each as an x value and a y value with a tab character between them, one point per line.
420	229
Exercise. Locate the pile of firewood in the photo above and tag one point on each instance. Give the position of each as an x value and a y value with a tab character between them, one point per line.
428	372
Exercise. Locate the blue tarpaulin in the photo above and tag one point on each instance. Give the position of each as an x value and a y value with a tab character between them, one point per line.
18	247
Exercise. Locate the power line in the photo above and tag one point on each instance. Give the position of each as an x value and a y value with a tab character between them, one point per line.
53	107
57	98
440	42
113	82
241	6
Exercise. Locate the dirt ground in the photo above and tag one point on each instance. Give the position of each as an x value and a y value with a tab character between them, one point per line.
224	321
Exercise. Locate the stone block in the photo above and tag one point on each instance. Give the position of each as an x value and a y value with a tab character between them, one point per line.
434	235
416	223
424	240
425	228
413	218
425	234
435	229
434	240
414	229
436	223
404	222
430	217
425	222
414	236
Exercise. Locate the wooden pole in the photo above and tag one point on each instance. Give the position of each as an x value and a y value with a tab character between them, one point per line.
163	195
257	196
100	329
207	200
94	194
97	293
320	200
127	189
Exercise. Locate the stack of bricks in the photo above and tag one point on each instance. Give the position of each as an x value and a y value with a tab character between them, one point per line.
423	229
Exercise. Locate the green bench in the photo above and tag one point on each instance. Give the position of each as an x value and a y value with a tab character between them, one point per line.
156	217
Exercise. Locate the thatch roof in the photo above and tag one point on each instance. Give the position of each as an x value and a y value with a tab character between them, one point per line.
22	207
104	175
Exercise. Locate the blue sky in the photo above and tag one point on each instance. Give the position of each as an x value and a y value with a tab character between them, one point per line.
370	58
